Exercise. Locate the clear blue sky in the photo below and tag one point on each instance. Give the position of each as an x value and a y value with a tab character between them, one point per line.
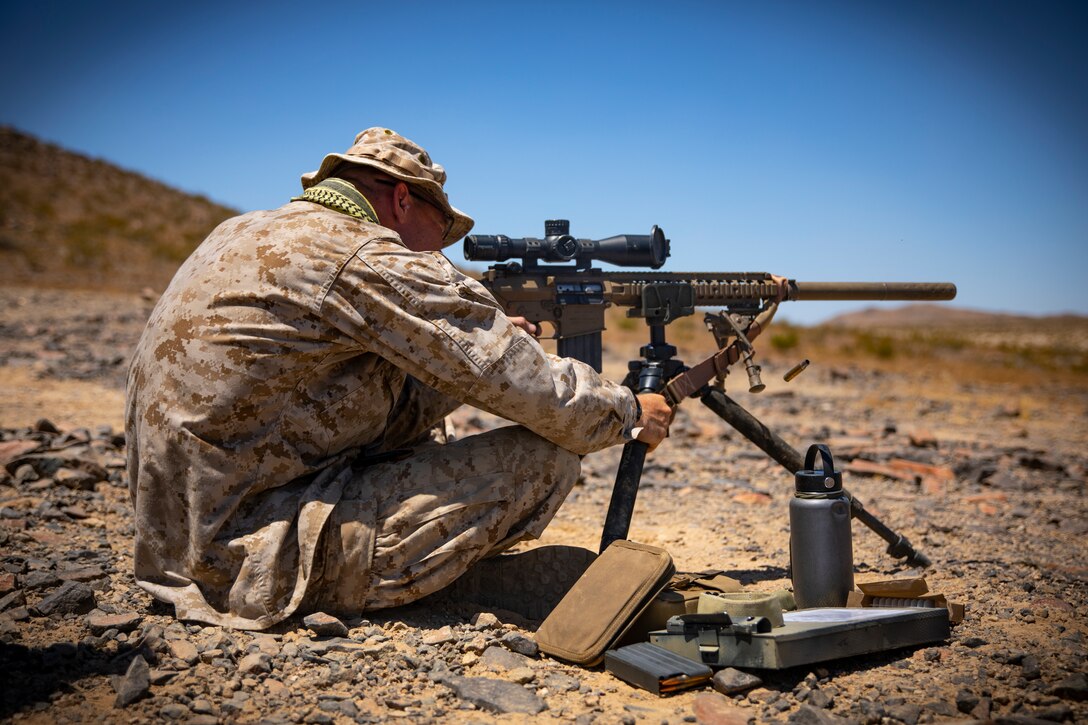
823	141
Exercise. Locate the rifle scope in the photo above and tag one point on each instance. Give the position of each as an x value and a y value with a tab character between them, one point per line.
625	250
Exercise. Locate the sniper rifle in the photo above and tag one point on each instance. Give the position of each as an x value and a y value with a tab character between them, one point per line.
572	298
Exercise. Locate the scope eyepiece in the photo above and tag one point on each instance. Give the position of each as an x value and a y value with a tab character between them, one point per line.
625	250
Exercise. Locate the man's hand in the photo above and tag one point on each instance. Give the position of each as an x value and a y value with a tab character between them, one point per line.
783	287
655	420
524	324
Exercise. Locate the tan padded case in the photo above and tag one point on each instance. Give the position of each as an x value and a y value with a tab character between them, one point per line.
604	602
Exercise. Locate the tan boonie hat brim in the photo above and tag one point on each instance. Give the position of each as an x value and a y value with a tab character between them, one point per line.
391	153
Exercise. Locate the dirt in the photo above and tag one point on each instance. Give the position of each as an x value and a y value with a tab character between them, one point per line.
995	498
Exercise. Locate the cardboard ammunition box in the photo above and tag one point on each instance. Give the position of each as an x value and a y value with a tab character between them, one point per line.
900	593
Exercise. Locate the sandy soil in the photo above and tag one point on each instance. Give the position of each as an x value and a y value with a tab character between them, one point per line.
997	501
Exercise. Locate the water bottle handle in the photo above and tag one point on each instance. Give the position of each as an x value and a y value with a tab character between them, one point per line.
825	454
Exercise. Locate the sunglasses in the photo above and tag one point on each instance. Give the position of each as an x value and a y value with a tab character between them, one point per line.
449	218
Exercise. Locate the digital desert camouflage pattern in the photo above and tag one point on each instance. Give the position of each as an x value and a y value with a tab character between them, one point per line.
295	345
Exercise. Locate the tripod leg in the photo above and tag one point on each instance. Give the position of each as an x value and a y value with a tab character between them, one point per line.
769	442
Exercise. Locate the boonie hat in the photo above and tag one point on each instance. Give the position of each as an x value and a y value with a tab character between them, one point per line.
388	151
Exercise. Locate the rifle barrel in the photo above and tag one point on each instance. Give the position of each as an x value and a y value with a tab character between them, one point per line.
816	291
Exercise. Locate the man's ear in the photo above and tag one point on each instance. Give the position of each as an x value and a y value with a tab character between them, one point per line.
402	201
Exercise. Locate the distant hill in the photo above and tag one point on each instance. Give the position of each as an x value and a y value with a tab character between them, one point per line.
943	317
67	220
1062	338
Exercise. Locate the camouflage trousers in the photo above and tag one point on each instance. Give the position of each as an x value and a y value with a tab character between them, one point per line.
405	529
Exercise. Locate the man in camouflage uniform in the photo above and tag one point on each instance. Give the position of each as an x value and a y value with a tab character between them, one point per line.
281	400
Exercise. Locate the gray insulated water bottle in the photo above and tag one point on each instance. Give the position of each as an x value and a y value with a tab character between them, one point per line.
821	553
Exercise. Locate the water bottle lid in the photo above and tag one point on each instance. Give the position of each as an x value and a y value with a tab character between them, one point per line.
826	480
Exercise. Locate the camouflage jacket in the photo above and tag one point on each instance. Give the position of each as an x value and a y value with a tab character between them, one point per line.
289	342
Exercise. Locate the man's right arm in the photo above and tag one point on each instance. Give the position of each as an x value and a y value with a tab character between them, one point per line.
443	328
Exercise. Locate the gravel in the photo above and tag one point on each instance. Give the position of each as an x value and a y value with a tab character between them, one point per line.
1004	526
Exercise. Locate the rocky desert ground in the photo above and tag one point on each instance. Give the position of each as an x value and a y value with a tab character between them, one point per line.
976	454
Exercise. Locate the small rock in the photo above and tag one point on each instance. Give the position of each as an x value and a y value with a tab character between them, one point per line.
274	688
1008	658
943	709
12	600
18	614
264	643
439	636
559	682
1042	463
174	711
209	656
981	711
134	684
161	677
68	598
8	628
873	711
496	696
221	641
499	658
184	650
906	712
477	644
343	644
807	715
1054	603
1074	687
966	701
1055	713
82	574
521	675
1030	669
325	625
730	681
400	703
40	579
820	699
76	479
972	642
125	622
520	643
485	620
711	708
922	438
255	663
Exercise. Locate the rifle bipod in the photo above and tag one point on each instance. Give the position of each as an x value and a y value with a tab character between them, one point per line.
649	375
